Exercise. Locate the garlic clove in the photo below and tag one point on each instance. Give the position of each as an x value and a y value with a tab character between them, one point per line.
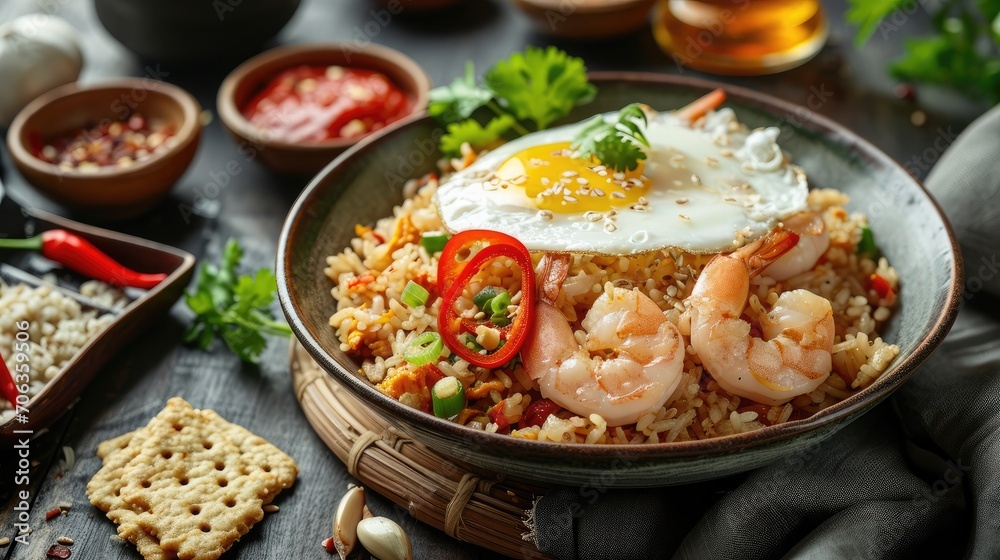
345	524
368	513
384	539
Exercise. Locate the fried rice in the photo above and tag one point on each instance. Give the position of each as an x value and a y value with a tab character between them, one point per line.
375	327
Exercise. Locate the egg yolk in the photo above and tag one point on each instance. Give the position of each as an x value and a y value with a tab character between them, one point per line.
559	182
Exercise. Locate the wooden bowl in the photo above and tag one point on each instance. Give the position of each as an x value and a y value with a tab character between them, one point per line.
111	193
308	158
62	391
361	187
594	19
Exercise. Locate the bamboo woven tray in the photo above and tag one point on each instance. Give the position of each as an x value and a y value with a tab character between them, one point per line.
464	501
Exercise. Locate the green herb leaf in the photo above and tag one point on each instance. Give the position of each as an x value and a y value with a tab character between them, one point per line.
868	14
617	143
541	85
472	132
459	100
236	309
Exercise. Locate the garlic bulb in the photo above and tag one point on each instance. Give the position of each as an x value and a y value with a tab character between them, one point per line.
38	53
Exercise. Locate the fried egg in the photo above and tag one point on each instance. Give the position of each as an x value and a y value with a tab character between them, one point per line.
701	189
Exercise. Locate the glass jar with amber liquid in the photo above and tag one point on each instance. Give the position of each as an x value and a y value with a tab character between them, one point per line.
741	37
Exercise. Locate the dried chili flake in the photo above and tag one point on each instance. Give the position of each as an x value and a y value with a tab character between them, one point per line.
52	513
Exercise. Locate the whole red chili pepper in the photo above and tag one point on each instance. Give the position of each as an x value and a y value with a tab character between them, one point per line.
76	253
7	385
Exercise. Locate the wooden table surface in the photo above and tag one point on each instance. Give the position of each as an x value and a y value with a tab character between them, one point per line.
848	85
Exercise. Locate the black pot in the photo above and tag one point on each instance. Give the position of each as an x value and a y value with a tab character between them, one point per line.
194	29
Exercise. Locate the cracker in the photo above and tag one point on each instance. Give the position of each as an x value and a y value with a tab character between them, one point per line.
104	491
190	483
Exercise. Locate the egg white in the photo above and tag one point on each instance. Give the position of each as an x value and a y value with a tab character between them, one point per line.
710	184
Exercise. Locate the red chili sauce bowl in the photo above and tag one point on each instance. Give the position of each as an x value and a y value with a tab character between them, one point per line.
296	108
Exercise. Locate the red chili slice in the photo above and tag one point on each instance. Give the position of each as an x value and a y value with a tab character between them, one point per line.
450	265
453	328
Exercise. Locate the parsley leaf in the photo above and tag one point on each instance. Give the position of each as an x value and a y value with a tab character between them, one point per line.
963	53
472	132
234	308
459	100
542	85
617	143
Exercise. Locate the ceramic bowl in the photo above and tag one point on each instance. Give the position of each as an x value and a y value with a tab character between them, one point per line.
110	193
586	20
362	185
308	158
194	30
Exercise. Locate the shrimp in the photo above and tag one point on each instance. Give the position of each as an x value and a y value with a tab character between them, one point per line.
814	240
792	359
631	362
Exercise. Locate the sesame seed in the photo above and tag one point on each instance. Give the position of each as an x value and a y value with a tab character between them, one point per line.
711	162
569	198
617	194
747	166
618	176
582	181
598	192
546	214
612	213
609	226
519	179
569	174
681	201
4	541
728	199
602	173
643	201
270	508
684	217
592	216
65	541
696	179
726	153
546	180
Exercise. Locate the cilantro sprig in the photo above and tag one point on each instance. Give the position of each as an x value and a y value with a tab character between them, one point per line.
236	309
616	143
526	92
964	52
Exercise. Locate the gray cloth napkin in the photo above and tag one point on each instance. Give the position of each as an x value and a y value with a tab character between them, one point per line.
918	477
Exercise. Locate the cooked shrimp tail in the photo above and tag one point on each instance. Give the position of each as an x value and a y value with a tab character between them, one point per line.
697	108
630	363
794	358
814	240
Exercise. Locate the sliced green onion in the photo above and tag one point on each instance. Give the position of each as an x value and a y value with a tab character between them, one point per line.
483	298
448	397
499	305
471	344
414	295
867	244
424	349
434	241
